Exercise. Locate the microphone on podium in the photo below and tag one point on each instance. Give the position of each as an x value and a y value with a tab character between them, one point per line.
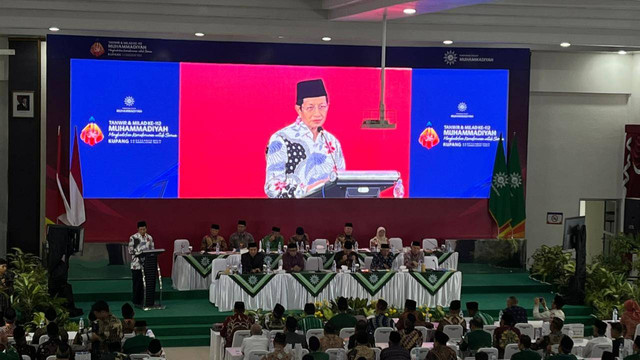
321	132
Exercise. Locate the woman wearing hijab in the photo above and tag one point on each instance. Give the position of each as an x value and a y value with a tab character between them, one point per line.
380	238
630	318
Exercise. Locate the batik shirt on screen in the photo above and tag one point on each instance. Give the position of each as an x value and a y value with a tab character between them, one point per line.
295	160
138	244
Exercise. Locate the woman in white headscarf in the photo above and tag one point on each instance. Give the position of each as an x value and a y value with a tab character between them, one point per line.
380	238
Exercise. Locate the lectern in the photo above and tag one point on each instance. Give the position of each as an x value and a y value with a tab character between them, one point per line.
151	274
355	184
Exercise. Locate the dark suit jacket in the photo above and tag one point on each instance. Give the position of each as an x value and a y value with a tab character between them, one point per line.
249	263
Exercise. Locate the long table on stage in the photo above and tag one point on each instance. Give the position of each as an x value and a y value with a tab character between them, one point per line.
294	290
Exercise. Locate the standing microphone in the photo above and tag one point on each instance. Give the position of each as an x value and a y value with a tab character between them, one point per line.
321	132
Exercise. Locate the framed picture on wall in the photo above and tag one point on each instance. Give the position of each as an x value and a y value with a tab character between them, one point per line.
22	104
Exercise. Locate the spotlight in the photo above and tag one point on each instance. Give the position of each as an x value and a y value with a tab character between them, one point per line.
565	44
409	11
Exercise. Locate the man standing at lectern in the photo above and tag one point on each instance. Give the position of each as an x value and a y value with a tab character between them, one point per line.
138	242
302	156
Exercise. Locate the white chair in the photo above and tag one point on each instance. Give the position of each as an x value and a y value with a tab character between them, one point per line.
578	330
320	245
180	246
429	244
234	260
490	329
509	350
138	356
367	262
303	353
453	331
526	329
238	336
567	330
637	331
431	262
51	357
555	348
43	339
272	335
425	333
395	244
377	351
319	333
256	354
597	350
336	354
492	352
419	353
347	332
26	357
381	335
313	263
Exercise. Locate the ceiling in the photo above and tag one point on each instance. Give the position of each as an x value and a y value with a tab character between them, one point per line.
600	25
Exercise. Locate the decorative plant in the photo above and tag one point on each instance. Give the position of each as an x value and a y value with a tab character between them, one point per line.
621	249
551	264
606	289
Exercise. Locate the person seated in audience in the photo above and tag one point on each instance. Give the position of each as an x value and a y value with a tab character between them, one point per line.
314	350
235	322
22	347
140	342
252	261
518	313
65	353
343	319
564	350
555	336
636	350
607	355
309	320
6	351
362	349
382	260
453	317
301	238
279	353
440	349
109	327
128	322
241	238
630	318
294	338
361	326
292	260
380	319
411	337
155	350
546	314
257	341
347	235
481	356
331	340
414	257
474	312
275	320
210	241
49	347
525	353
617	338
114	351
505	334
9	317
273	241
410	308
380	238
395	351
599	338
50	315
346	256
476	338
308	357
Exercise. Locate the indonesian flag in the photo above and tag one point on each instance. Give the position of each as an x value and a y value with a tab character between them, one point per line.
75	214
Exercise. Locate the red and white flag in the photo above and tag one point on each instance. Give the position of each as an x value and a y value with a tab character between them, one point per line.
75	214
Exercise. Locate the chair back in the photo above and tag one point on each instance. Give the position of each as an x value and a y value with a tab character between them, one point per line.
347	332
598	349
319	333
256	354
395	244
238	336
419	353
43	339
578	330
492	352
526	329
453	331
425	333
429	244
431	262
313	263
26	357
367	262
490	329
51	357
272	335
139	356
336	354
180	246
381	335
637	331
320	245
567	330
219	264
377	351
234	260
509	350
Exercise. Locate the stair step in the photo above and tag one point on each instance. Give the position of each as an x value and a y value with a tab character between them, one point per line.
185	340
172	329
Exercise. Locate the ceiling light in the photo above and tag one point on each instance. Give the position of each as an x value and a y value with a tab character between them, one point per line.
199	34
326	38
409	11
280	37
448	42
565	44
622	52
54	29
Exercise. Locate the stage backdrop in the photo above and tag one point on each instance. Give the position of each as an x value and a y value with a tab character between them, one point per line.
175	132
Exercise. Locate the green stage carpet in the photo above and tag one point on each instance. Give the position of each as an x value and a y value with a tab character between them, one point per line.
189	315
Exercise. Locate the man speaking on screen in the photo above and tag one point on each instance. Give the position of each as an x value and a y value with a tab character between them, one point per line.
302	156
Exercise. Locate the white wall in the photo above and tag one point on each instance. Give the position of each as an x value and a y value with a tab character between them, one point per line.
580	103
4	144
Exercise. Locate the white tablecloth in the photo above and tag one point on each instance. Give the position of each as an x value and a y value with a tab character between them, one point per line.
286	290
450	264
185	277
216	346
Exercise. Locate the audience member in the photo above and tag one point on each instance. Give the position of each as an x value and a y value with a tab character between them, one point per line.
506	334
301	238
414	257
330	340
128	322
257	341
49	347
346	256
155	350
275	320
599	338
380	319
273	241
440	349
278	353
481	356
309	320
518	313
380	238
22	347
140	342
210	241
314	349
411	337
630	318
361	326
235	322
9	317
65	353
50	315
525	353
241	238
636	350
395	351
310	357
347	235
343	319
617	338
7	352
476	338
292	260
109	327
564	350
607	355
362	349
555	336
292	337
474	312
410	308
453	317
546	314
382	260
114	351
252	261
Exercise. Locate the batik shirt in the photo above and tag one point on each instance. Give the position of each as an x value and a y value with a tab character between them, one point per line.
137	244
379	261
295	160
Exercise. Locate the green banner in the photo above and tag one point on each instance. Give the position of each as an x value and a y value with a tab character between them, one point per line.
252	283
431	280
202	263
442	256
314	282
373	281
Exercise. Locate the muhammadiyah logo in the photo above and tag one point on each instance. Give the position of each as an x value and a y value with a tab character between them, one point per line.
129	101
429	137
450	57
91	134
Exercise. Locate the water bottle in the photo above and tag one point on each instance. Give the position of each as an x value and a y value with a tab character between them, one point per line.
614	316
420	265
217	248
621	352
353	266
240	268
256	318
355	246
279	248
500	315
398	190
338	246
280	264
41	324
81	325
334	267
268	263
